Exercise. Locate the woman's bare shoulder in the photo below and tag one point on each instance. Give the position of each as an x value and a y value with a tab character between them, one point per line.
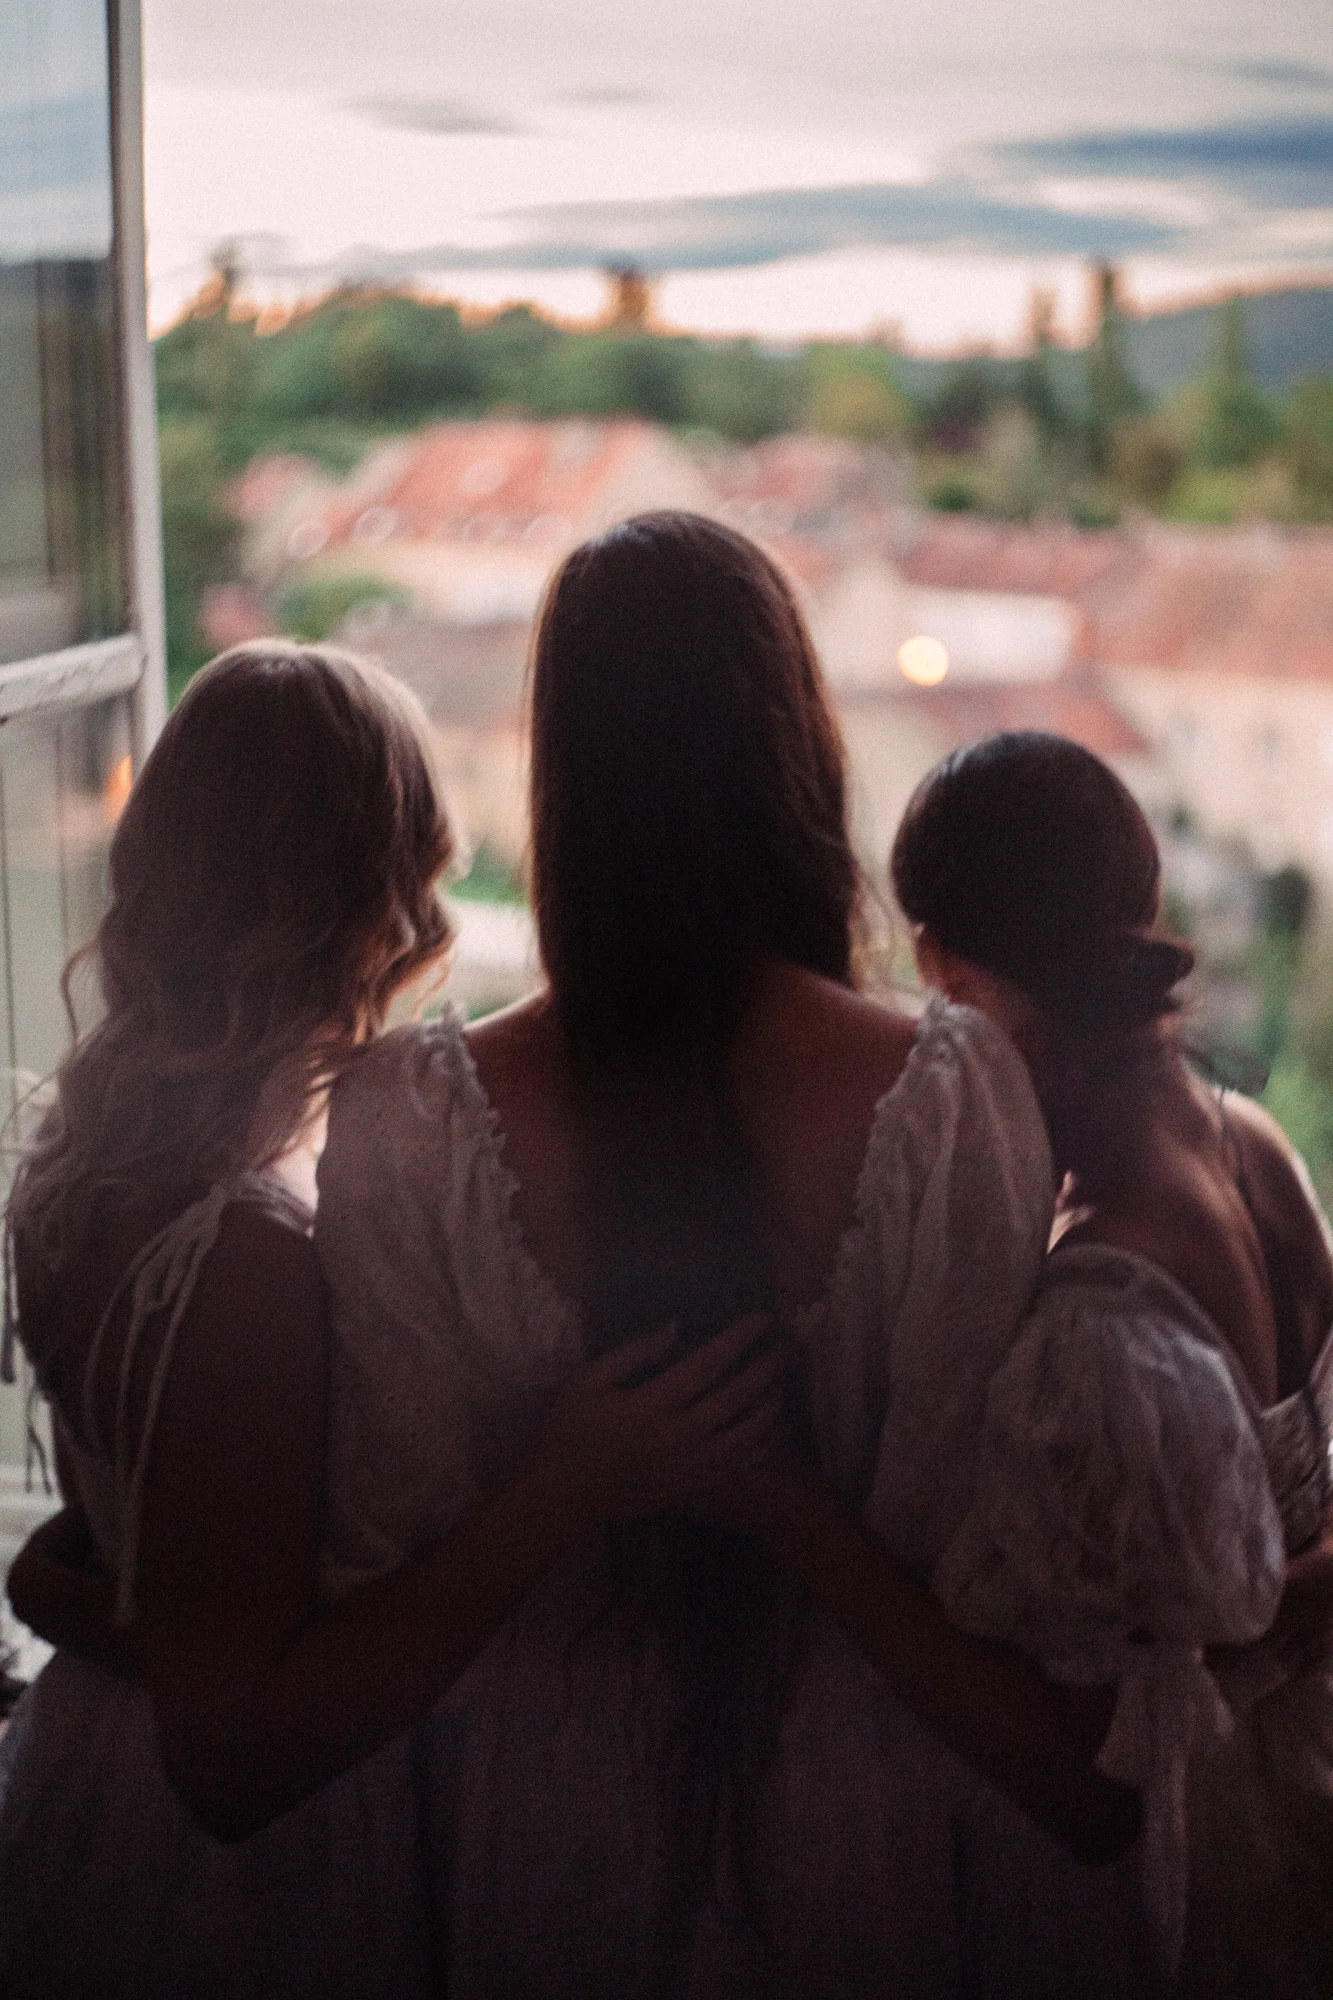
518	1054
1286	1210
833	1031
1275	1173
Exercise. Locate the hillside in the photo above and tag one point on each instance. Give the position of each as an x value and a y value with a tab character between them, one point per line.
1288	335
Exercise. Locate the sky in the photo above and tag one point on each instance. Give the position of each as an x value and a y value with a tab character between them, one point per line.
783	170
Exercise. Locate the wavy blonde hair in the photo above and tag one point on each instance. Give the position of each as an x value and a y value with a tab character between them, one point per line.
273	884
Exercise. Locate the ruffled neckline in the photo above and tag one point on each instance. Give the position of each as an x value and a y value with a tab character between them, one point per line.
547	1304
940	1027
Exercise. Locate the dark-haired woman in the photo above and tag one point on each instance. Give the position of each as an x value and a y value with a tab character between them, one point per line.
675	1771
1185	1311
230	1813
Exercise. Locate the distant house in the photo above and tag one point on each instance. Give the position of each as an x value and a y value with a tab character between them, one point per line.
998	611
820	489
471	518
280	501
1198	660
467	521
469	679
1219	644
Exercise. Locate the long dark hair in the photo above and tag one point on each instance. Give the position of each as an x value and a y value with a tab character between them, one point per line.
273	883
688	816
1026	855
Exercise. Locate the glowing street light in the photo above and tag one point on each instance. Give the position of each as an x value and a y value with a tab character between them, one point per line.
923	660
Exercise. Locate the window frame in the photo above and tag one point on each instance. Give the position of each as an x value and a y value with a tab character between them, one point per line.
132	662
135	660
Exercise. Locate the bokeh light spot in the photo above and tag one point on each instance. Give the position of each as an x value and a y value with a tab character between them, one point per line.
117	788
923	660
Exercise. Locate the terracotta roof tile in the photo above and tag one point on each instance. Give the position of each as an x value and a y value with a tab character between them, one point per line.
483	479
800	483
265	481
1232	602
956	552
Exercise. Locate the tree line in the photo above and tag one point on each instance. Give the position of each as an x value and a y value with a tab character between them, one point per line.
1054	434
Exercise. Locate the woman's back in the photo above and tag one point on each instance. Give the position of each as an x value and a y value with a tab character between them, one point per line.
1293	1237
1212	1191
807	1067
555	1763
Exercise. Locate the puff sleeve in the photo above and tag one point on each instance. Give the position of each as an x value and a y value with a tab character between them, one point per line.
1122	1520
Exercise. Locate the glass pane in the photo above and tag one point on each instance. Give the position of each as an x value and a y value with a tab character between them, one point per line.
63	780
61	554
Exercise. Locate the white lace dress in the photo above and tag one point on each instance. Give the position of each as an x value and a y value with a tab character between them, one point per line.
108	1889
1261	1798
1122	1520
880	1865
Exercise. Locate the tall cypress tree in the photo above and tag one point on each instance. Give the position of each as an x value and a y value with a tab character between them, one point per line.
1114	395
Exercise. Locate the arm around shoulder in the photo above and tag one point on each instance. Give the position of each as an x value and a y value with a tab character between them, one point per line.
1037	1742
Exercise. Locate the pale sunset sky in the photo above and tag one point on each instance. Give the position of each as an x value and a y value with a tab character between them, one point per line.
786	169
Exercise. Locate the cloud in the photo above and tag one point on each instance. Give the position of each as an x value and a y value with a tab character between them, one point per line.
598	95
1282	75
727	232
1285	163
438	116
1210	190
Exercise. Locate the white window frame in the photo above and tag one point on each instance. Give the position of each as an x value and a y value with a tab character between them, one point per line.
134	660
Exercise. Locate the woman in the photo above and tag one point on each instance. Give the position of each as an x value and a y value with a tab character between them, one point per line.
272	887
1193	1252
674	1771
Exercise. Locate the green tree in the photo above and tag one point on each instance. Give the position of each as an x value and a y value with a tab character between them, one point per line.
1113	394
734	389
510	349
1302	1103
608	374
206	364
1285	902
1240	425
1012	470
1035	387
1146	457
315	605
968	394
199	537
1309	447
857	403
398	357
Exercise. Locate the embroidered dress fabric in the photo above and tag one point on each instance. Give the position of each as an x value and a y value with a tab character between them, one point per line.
878	1865
1123	1521
1261	1801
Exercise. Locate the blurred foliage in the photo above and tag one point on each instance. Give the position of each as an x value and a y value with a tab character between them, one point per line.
1053	435
1302	1102
1239	425
853	392
1309	447
1146	458
1286	1052
490	879
315	605
1114	398
200	536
